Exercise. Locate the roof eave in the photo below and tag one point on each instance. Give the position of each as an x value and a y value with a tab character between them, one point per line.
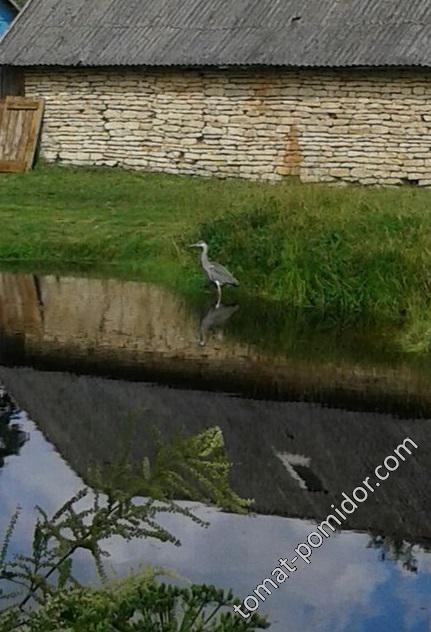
233	66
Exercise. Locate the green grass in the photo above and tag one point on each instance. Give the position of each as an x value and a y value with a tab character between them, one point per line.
351	251
125	223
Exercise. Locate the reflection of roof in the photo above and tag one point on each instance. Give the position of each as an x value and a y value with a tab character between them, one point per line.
315	33
93	421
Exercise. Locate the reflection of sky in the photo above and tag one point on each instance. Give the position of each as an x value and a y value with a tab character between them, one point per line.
345	587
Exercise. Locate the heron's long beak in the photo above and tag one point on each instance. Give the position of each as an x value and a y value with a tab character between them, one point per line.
194	246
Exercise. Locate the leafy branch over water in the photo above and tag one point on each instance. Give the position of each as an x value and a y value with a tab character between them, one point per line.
126	503
194	468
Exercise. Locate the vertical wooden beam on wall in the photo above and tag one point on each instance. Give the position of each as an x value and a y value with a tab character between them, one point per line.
11	82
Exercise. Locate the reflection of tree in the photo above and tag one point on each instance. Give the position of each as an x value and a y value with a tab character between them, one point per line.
393	550
12	438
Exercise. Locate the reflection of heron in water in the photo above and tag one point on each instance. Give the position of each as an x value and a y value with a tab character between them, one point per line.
216	273
216	318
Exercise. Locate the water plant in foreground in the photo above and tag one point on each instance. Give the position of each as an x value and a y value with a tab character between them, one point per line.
45	595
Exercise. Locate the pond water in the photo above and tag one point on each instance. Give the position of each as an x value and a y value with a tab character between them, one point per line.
91	367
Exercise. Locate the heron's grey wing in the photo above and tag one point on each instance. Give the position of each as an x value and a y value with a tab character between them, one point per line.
222	274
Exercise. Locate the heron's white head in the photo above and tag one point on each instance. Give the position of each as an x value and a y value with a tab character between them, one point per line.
200	244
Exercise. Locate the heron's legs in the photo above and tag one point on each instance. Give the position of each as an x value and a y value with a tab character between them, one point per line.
218	294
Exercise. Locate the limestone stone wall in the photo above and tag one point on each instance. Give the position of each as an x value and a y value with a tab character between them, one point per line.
372	127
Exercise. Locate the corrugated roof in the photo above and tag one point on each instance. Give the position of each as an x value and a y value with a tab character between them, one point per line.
297	33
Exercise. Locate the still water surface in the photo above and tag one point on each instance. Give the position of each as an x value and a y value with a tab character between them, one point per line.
93	366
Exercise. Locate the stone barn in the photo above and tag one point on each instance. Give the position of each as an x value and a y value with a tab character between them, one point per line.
321	89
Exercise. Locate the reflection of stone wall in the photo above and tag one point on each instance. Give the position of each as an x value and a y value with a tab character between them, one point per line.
98	315
19	306
118	315
94	420
105	325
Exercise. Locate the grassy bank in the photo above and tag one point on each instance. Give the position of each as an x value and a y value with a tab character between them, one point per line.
346	250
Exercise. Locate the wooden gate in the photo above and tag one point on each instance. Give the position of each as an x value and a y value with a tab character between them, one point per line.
20	122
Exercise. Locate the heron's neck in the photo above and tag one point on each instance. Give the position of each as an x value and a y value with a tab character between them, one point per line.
204	256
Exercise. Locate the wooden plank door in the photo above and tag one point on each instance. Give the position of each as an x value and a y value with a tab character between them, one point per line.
20	123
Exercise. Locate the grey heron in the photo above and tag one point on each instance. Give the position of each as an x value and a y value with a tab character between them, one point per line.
216	273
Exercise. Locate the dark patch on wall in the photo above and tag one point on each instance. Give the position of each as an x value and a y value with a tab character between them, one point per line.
11	82
292	157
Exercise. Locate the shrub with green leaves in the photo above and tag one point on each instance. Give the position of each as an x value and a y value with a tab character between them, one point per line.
139	604
45	595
